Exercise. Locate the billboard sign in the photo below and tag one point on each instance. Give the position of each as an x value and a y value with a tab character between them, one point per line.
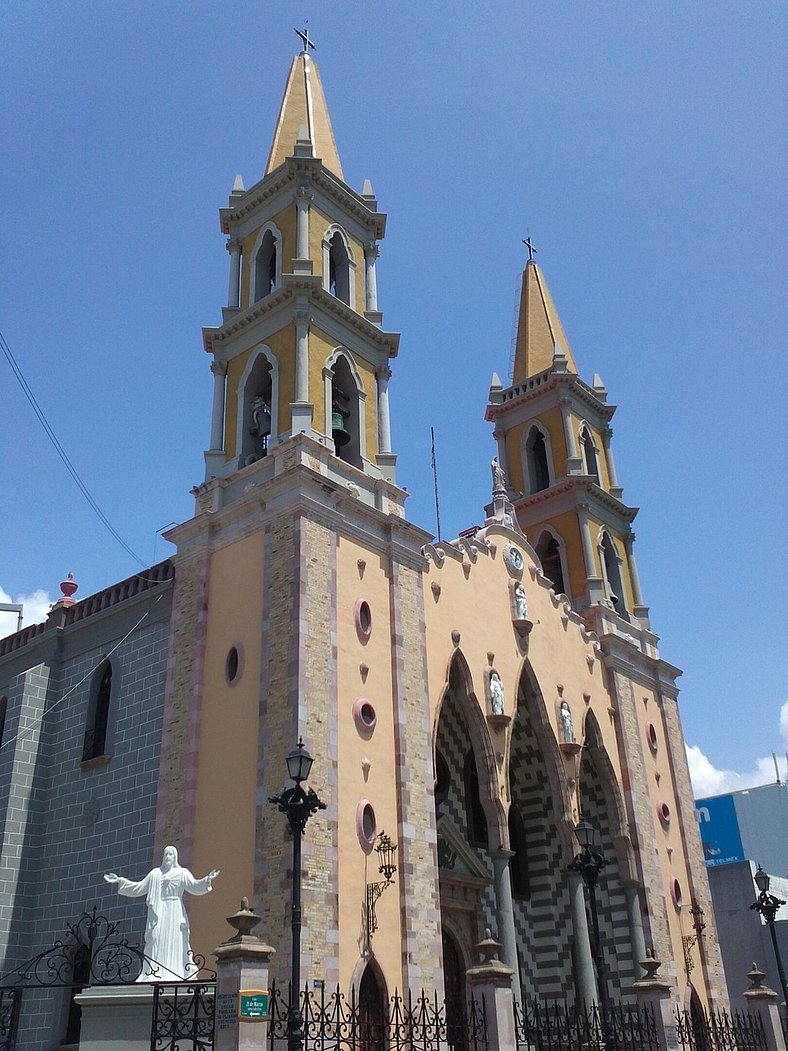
719	830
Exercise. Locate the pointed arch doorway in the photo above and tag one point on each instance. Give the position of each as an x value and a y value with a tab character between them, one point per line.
456	993
371	1011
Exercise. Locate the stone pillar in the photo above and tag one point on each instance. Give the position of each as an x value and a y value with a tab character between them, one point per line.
302	264
596	591
585	976
762	1003
504	914
615	488
371	253
384	421
489	983
116	1016
219	370
241	983
653	998
574	464
635	917
640	611
234	288
302	358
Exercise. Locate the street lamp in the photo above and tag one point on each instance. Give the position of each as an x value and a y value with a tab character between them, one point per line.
767	905
589	863
298	806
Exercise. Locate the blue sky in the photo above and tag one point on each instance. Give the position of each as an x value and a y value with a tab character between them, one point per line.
641	145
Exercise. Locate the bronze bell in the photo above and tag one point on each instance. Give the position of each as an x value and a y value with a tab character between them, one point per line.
340	435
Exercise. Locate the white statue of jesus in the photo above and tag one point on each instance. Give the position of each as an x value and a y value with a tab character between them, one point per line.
167	929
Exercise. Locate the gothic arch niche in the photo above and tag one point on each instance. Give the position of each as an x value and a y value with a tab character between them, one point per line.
266	271
468	813
590	453
539	798
97	728
602	805
338	265
258	398
611	566
537	459
372	1008
454	967
551	551
344	398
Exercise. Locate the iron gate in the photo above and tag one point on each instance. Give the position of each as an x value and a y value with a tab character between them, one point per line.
559	1027
719	1031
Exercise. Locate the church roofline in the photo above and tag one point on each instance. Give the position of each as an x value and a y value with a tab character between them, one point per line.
548	380
283	176
312	285
579	486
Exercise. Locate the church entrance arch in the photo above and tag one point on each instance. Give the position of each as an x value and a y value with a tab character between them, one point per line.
456	993
541	903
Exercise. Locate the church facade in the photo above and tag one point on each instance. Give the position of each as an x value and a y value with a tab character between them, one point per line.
473	700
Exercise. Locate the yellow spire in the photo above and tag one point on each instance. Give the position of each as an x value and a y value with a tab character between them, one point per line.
540	334
304	106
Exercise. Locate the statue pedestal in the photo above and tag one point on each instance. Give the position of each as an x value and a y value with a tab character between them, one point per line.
116	1016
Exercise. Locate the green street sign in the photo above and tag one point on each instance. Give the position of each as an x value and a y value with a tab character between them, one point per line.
253	1004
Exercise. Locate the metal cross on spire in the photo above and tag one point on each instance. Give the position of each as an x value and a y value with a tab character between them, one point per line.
530	247
304	34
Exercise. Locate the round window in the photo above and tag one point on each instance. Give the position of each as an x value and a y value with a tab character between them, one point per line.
364	716
675	893
651	735
366	825
232	665
363	617
664	813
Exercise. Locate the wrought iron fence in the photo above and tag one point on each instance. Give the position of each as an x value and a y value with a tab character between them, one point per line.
10	1004
719	1031
183	1016
333	1022
558	1027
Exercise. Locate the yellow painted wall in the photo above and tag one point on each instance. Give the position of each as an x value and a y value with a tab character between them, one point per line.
355	868
224	835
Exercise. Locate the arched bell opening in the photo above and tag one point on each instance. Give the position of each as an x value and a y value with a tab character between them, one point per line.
257	407
265	266
344	412
536	460
612	566
372	1009
339	268
552	556
538	836
589	454
602	806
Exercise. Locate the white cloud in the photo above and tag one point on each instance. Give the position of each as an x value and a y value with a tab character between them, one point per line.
709	780
36	608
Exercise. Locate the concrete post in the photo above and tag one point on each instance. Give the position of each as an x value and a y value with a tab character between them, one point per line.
653	995
241	981
234	288
490	983
615	488
635	917
384	422
219	370
762	1003
574	464
302	264
371	252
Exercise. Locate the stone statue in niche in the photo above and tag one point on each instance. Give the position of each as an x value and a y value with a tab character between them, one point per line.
520	603
567	727
496	694
498	477
167	929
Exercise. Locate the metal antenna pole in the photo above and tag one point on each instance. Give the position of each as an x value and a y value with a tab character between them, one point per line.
435	482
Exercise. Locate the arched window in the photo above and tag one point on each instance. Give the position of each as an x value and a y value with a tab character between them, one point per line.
549	551
537	462
475	817
518	865
589	454
3	710
258	392
95	743
344	399
615	585
339	268
266	263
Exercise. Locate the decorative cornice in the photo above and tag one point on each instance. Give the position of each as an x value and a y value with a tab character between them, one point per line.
584	488
547	381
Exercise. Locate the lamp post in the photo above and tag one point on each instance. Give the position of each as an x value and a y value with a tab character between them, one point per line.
298	806
767	905
589	863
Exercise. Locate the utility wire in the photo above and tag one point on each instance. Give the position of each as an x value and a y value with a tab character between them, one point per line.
62	452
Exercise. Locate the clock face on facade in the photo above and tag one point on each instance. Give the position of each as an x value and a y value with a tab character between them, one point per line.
513	557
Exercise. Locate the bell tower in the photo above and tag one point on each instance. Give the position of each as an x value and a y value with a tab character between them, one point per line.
554	445
301	347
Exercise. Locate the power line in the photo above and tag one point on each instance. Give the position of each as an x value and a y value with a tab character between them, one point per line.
62	452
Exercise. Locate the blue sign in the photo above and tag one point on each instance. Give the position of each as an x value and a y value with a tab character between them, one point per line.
719	830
